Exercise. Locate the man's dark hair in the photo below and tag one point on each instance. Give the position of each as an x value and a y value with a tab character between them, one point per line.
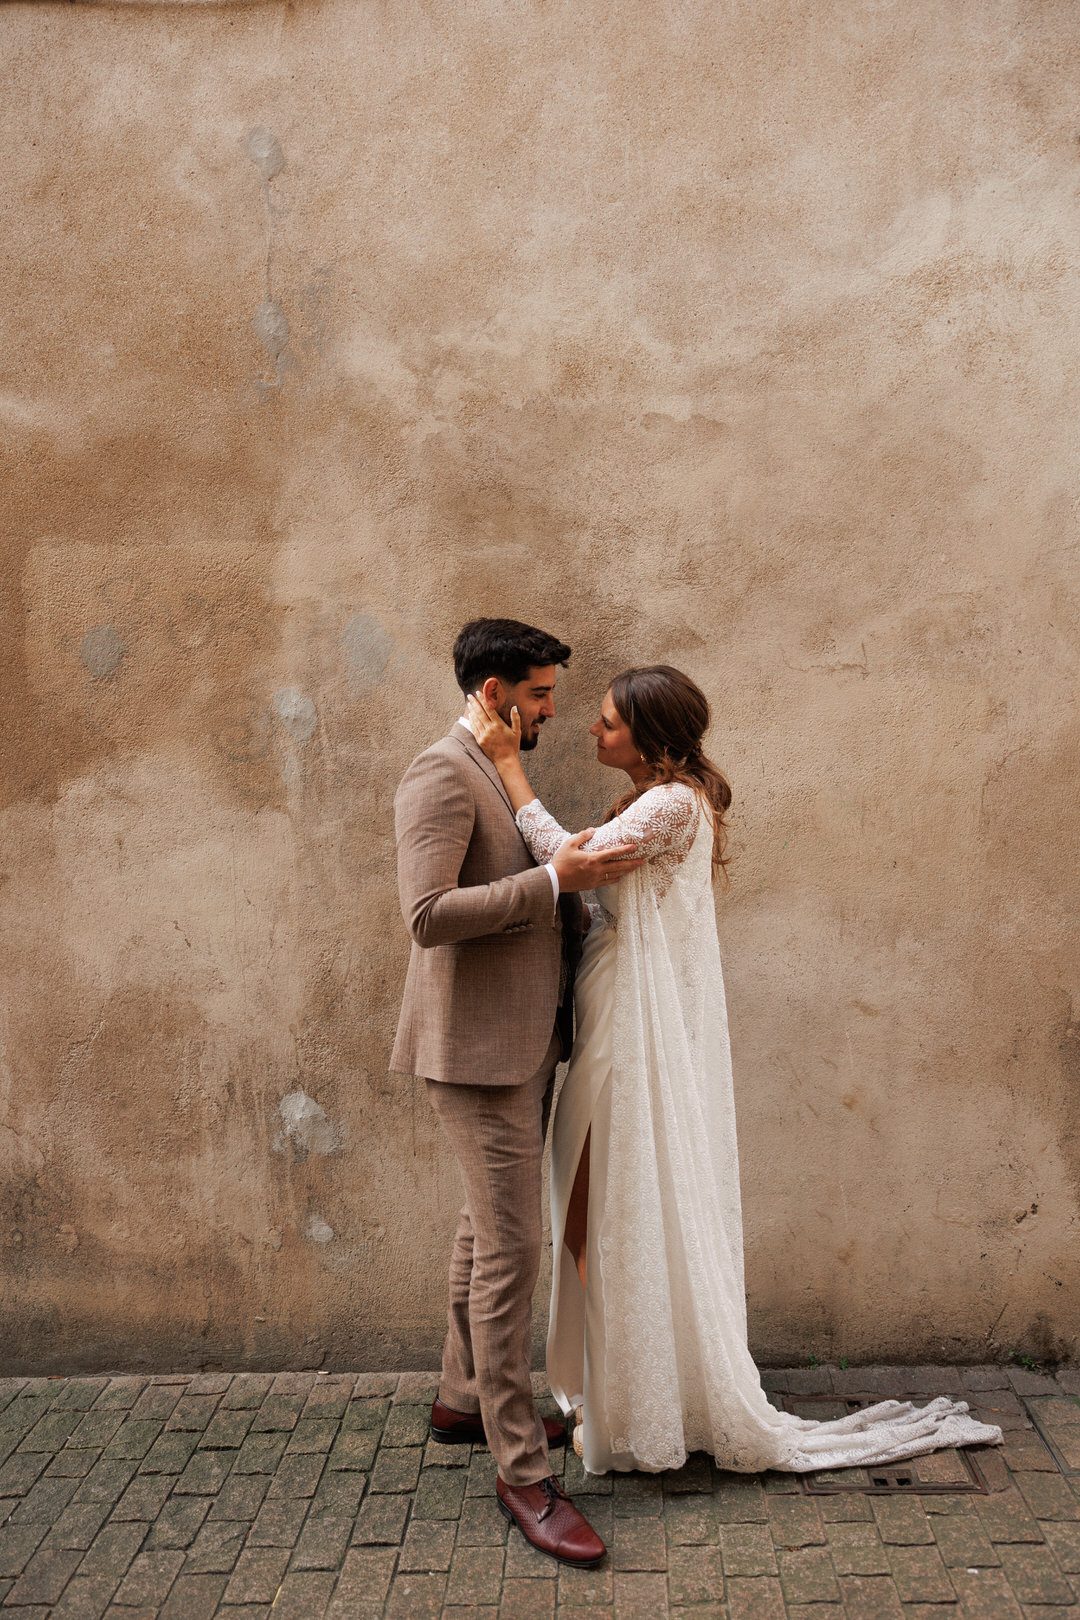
504	648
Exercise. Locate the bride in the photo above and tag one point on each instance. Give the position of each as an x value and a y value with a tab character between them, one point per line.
647	1335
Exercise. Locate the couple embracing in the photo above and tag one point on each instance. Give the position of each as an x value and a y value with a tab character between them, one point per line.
510	974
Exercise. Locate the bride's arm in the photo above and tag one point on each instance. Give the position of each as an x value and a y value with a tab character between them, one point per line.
614	859
663	820
502	745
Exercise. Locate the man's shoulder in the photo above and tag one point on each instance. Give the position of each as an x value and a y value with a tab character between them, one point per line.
449	749
451	746
442	760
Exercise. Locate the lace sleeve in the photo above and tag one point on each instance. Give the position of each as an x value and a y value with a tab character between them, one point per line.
662	822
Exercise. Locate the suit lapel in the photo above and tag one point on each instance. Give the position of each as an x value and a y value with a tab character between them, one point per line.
478	757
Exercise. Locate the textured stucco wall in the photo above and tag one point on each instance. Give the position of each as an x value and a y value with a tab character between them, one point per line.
743	337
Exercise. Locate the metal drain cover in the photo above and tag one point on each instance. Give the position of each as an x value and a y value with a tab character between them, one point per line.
951	1469
1057	1419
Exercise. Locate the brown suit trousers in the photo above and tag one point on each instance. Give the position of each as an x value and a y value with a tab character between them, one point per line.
498	1135
482	1020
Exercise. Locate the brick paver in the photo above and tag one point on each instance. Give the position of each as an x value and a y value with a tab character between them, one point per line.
302	1496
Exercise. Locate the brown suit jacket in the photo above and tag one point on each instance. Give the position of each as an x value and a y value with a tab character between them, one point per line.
483	984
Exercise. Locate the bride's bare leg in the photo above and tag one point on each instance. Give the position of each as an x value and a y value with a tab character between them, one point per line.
577	1212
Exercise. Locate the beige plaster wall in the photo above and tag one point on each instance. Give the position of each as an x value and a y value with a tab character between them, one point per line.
743	337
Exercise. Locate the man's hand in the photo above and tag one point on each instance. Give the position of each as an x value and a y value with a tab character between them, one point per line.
577	870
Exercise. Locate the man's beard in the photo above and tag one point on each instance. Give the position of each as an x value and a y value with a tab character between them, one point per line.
529	739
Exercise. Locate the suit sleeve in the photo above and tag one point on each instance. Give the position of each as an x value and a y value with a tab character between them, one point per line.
434	815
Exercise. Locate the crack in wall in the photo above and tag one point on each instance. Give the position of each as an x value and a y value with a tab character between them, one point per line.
270	323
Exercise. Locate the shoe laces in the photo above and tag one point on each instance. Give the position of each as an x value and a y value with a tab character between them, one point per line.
554	1493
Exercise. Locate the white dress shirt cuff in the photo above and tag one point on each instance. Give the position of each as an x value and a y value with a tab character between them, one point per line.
554	876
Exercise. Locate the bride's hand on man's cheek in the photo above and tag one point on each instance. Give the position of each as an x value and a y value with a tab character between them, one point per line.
496	738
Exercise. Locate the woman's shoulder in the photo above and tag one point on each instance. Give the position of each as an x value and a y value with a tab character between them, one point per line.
671	794
672	806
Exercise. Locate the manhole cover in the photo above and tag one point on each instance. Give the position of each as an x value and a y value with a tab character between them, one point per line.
949	1470
1057	1418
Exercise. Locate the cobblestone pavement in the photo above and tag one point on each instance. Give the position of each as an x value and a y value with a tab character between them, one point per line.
304	1495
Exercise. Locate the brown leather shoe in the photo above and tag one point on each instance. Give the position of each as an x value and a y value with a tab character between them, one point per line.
465	1428
550	1522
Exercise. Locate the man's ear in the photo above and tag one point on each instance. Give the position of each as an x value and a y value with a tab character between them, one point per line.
491	691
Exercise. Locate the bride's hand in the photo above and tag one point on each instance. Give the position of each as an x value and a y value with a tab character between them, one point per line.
499	741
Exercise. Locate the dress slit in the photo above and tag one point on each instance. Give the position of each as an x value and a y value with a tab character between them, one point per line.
583	1105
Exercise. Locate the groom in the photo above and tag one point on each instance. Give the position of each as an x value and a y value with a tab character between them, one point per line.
486	1016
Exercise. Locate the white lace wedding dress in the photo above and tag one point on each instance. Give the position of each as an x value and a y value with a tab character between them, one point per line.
655	1349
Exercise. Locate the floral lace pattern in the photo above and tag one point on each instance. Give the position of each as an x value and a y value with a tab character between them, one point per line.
660	825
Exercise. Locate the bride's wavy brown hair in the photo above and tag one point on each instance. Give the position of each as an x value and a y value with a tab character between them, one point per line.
668	715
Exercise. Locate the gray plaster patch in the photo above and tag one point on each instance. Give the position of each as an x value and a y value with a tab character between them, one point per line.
305	1124
271	327
317	1230
265	152
101	651
367	649
296	712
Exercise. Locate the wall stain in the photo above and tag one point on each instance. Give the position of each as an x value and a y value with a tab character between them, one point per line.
270	323
306	1126
101	651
